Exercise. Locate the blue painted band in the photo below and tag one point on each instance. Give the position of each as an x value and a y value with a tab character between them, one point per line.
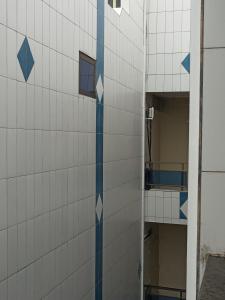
99	151
169	178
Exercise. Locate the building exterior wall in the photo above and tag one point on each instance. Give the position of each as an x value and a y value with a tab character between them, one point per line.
194	135
168	44
213	167
124	57
48	152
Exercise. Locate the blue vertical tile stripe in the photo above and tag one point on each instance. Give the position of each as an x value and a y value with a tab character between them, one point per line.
99	149
25	59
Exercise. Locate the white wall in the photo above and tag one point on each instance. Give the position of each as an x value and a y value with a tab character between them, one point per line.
168	43
124	57
194	133
213	147
47	156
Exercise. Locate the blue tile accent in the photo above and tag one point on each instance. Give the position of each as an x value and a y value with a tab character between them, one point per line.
186	63
182	215
170	178
26	59
183	200
99	149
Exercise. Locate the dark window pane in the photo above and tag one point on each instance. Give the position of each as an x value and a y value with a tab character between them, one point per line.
87	75
118	3
114	3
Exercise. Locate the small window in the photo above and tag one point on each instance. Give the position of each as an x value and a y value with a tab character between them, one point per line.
87	81
115	3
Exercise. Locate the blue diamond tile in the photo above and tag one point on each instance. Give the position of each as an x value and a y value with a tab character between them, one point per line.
186	63
26	59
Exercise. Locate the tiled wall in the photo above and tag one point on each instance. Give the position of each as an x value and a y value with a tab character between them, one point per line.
168	39
166	206
122	156
47	152
213	146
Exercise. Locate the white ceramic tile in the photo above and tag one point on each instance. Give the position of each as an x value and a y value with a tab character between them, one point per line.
160	43
22	245
3	52
160	82
167	207
3	290
11	202
185	41
3	153
186	4
185	82
168	83
177	42
3	9
12	104
212	211
21	16
178	4
11	53
175	208
169	21
161	22
177	60
160	64
152	44
159	207
21	152
169	42
213	147
152	64
175	195
21	199
47	153
152	23
3	255
213	33
153	5
151	206
186	15
169	5
168	64
12	14
176	82
161	5
178	20
12	250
